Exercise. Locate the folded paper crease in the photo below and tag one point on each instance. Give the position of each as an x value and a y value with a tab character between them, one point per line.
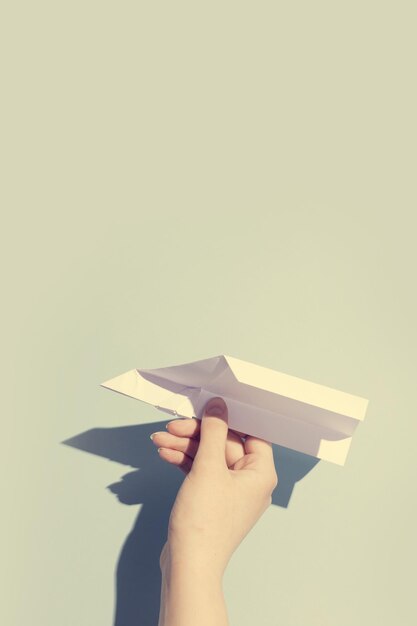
283	409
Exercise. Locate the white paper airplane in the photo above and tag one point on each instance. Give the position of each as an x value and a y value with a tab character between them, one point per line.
283	409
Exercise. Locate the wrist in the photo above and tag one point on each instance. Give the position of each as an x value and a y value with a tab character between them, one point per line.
189	565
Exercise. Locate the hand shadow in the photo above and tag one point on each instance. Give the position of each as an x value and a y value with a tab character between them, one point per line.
154	484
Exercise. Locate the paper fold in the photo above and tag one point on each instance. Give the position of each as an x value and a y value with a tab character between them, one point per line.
283	409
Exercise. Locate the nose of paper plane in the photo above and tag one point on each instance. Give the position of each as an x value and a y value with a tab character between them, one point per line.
125	383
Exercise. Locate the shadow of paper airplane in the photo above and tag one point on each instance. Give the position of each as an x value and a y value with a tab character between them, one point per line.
153	483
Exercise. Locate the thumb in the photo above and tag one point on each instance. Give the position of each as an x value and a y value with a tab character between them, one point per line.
213	433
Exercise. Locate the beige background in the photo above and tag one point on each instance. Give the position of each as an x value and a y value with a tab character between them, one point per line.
185	179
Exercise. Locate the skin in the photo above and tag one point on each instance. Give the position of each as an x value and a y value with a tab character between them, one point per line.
228	485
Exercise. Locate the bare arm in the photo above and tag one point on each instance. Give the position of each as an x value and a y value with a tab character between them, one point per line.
190	594
227	487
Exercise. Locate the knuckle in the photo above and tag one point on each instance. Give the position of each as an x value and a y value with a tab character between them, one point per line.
272	481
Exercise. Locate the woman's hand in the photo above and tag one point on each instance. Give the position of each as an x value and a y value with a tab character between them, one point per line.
227	487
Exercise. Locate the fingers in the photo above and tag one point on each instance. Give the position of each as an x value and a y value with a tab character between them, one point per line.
179	451
213	435
263	458
204	439
187	427
261	448
186	445
184	427
175	457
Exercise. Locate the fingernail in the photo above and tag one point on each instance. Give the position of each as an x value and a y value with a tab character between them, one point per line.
215	407
216	411
152	436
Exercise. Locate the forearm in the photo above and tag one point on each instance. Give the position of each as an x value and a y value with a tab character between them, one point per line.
191	594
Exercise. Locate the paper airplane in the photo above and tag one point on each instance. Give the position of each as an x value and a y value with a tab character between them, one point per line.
283	409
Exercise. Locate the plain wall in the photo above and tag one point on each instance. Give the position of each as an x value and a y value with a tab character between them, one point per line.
182	180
